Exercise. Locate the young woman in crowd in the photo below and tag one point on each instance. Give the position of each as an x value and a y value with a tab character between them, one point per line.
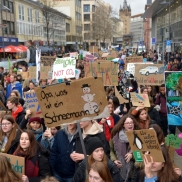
159	171
48	137
119	109
43	82
120	150
96	153
9	135
32	85
142	117
144	90
99	172
35	125
36	159
7	174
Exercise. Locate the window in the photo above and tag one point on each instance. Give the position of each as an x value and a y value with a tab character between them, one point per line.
67	27
78	16
86	17
78	29
93	8
37	16
12	28
78	3
11	7
86	27
86	36
21	12
86	8
29	10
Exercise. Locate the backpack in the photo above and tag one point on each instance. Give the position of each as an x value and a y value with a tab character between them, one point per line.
32	54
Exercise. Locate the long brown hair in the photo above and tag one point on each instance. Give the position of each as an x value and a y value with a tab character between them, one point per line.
102	170
167	173
12	134
7	174
33	145
120	125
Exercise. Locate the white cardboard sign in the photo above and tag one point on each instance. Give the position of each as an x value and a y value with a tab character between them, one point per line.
64	68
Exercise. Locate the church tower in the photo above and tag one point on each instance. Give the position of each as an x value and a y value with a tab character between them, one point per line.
125	15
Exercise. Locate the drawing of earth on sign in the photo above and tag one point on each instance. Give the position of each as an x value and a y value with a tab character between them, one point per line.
152	70
90	106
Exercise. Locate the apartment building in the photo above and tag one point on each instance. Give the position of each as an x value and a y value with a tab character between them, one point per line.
96	23
8	23
73	9
40	23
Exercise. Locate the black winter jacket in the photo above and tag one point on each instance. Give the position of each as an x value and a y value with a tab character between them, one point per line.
44	168
14	143
154	115
21	121
80	174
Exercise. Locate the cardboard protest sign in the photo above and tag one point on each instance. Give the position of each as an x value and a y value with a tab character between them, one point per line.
82	100
32	72
173	141
44	72
74	55
32	104
24	75
134	59
107	70
17	163
64	68
147	74
131	67
173	82
104	55
47	60
139	99
121	99
112	55
93	49
145	141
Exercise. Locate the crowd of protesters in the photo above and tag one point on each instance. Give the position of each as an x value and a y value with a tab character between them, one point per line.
56	154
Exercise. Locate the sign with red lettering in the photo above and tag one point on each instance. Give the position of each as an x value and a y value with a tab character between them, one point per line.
149	74
64	68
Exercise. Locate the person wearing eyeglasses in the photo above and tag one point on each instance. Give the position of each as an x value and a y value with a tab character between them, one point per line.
9	135
120	150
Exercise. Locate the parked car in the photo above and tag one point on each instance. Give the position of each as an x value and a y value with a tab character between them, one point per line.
149	70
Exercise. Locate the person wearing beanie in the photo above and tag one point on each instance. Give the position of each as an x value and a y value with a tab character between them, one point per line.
35	125
95	150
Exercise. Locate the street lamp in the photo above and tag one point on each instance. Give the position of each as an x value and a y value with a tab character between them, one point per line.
169	3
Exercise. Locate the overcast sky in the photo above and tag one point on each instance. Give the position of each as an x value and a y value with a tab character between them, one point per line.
137	6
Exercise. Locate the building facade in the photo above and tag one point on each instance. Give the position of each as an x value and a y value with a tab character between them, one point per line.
137	30
96	23
73	9
8	34
166	20
40	23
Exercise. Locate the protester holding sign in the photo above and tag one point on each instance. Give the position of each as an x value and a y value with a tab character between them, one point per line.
7	172
36	159
121	152
9	135
48	137
95	150
15	93
159	171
